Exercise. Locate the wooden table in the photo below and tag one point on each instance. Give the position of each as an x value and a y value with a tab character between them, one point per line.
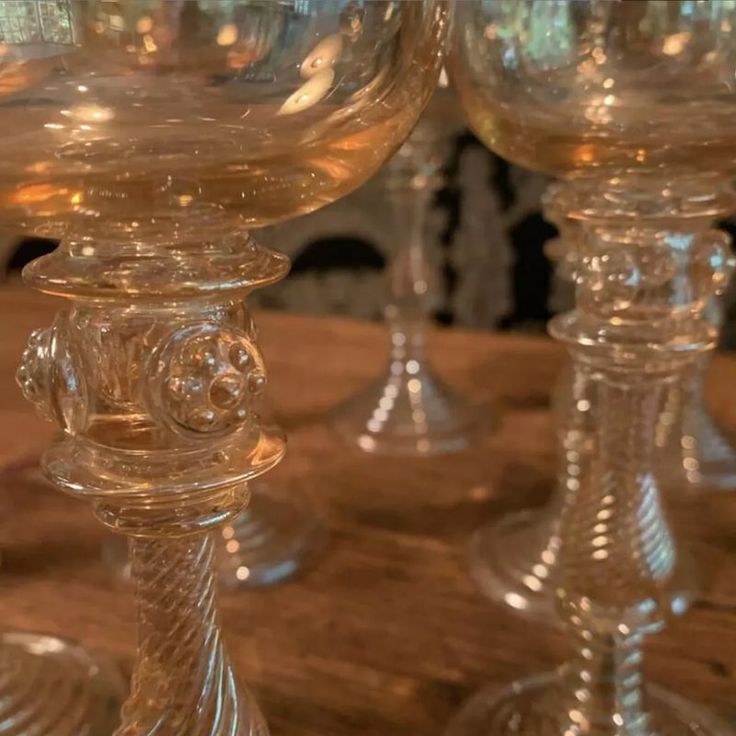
387	634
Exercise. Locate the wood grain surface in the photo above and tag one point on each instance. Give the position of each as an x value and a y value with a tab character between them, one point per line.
386	634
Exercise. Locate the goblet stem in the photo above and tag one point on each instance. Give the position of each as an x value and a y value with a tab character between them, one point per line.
412	288
647	262
156	378
617	562
410	411
643	275
617	546
184	682
604	677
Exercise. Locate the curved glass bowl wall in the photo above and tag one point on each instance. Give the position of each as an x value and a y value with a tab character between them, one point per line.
268	109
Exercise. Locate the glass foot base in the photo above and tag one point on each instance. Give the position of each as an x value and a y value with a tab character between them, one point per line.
701	459
709	460
534	707
409	416
53	687
513	560
278	535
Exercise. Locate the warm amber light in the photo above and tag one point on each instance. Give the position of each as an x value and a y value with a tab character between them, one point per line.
35	193
144	24
675	44
585	154
228	35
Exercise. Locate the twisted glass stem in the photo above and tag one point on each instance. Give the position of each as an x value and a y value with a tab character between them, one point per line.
616	563
618	550
183	683
603	685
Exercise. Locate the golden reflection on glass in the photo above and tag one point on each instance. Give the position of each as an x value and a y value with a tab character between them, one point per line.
150	134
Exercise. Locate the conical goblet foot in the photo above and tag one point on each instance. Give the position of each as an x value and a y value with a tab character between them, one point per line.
410	413
538	707
695	452
53	687
514	560
708	458
278	535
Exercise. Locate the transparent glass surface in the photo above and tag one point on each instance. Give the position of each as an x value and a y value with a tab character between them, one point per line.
695	453
584	86
409	410
277	536
150	134
270	109
628	103
53	687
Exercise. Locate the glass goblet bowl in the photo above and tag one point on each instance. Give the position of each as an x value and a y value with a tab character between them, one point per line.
266	109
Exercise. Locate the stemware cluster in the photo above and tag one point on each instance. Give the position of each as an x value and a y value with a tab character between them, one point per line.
149	135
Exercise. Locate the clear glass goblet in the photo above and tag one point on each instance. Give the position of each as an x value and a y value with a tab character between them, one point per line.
409	410
628	103
87	688
150	135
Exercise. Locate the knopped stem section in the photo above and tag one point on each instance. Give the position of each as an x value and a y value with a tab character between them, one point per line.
155	376
646	262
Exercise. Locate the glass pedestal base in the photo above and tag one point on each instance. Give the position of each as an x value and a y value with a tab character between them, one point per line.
279	534
534	707
708	458
513	561
54	687
409	415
